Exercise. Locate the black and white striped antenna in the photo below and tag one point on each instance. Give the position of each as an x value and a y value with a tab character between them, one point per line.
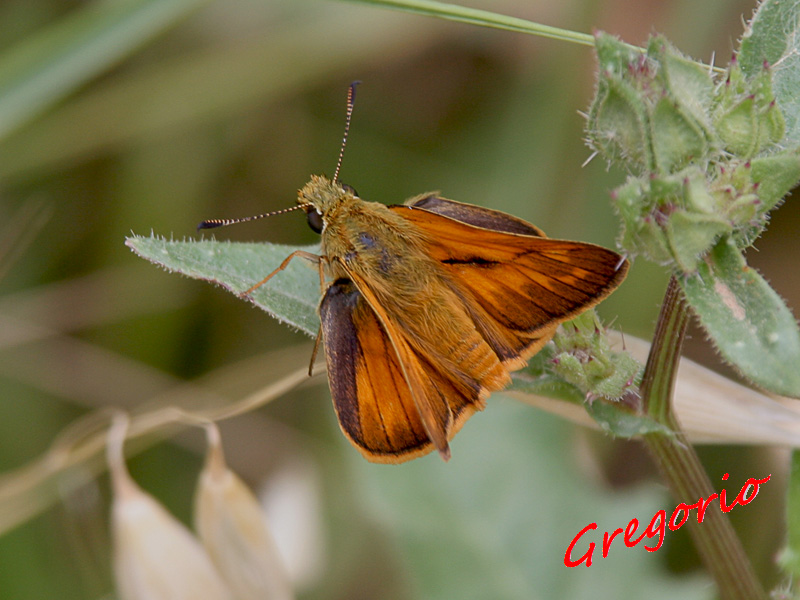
351	96
351	99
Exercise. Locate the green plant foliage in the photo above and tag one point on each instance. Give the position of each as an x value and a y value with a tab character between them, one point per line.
650	111
584	358
707	169
580	367
50	65
772	36
291	296
747	321
746	116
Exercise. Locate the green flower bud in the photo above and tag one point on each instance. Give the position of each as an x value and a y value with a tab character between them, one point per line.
641	233
618	125
690	235
584	358
673	219
618	121
650	110
746	117
688	82
680	119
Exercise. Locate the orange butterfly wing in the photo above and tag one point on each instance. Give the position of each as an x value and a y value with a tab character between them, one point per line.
392	404
517	284
398	398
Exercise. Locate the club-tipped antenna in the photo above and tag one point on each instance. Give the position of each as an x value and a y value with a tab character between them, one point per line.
212	223
351	98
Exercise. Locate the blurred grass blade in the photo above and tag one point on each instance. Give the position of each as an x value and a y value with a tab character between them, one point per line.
291	296
749	324
484	18
790	556
41	70
773	35
186	91
20	231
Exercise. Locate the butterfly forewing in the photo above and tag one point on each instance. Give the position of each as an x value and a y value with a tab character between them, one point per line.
519	287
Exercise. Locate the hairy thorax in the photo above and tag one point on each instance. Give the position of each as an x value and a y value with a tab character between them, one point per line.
384	251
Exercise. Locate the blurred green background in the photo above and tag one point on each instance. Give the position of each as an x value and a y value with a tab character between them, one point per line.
175	111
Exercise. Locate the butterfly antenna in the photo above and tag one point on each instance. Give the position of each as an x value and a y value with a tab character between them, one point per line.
351	98
212	223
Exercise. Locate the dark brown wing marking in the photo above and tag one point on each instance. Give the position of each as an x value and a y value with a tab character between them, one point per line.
474	215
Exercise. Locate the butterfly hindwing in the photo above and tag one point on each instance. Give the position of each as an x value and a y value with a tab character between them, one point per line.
391	403
371	397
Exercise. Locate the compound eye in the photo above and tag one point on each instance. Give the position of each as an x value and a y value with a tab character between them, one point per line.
314	219
349	189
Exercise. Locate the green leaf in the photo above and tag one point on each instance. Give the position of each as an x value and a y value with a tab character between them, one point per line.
45	67
615	419
291	296
773	35
747	321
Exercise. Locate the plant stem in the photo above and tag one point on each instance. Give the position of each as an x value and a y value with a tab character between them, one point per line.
486	18
716	542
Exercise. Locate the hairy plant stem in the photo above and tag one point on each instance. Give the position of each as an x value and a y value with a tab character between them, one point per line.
716	542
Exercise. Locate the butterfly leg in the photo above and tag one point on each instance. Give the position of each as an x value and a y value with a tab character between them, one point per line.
319	331
301	253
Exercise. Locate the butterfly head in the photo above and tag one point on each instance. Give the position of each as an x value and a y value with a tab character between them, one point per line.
320	196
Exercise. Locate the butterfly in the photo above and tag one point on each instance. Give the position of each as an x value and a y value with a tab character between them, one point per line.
428	306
